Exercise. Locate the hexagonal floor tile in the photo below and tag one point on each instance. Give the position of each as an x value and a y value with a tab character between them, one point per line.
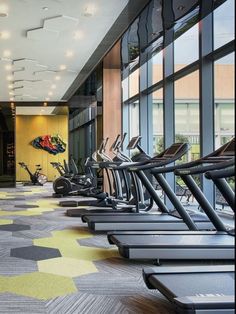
14	227
68	267
41	286
35	253
5	222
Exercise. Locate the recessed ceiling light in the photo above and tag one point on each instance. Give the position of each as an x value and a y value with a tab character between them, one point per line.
89	10
10	86
6	53
50	93
47	98
11	93
8	67
69	53
62	67
78	35
3	10
12	98
57	78
53	86
4	35
9	78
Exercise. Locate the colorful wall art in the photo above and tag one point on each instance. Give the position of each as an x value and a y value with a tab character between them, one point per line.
52	144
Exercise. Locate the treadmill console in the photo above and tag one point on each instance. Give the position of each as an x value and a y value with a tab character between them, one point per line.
133	142
173	150
229	149
115	143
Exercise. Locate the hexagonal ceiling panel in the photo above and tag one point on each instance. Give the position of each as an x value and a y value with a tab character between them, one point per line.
48	39
60	23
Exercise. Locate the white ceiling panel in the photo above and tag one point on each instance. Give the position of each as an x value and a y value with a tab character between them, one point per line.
50	41
60	23
42	34
34	110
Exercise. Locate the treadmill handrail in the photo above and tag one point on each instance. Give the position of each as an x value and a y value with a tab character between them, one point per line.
219	174
202	169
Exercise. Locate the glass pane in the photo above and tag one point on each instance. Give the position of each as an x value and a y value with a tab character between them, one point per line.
7	145
187	113
155	68
157	118
224	23
134	119
186	48
125	89
224	99
134	83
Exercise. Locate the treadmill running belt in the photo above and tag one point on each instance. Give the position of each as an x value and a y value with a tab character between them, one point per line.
193	284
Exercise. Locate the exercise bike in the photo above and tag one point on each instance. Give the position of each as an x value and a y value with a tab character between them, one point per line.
37	178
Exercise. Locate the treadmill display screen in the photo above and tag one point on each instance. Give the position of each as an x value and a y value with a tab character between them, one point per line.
133	142
114	145
173	150
229	150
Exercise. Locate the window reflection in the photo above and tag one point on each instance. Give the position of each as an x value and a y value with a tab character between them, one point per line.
157	120
187	113
224	99
224	23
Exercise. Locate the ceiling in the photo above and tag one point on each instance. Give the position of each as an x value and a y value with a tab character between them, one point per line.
41	110
44	44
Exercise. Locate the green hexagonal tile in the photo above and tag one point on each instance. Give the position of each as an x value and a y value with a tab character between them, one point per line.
3	284
72	249
72	234
65	266
41	285
5	222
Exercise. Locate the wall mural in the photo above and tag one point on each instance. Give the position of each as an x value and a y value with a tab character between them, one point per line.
52	144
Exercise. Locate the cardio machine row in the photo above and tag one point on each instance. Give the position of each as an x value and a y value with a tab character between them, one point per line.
172	242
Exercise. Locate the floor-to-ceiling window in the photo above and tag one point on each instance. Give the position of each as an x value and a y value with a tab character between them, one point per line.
184	68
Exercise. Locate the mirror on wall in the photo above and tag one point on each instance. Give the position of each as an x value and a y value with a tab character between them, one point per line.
7	145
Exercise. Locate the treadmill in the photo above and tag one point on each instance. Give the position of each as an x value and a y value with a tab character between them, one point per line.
166	219
182	245
115	204
198	289
195	289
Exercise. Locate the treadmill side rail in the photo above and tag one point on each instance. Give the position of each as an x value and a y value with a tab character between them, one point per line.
205	304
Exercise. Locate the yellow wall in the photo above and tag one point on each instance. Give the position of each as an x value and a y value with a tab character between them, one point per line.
27	129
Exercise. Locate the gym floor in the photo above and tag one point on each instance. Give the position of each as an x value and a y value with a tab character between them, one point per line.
51	263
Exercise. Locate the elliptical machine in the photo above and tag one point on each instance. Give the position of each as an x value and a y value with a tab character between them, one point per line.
37	178
71	183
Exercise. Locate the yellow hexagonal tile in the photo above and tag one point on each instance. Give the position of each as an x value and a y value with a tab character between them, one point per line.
68	267
89	253
41	210
72	249
72	234
41	285
45	203
3	284
19	213
5	221
56	243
